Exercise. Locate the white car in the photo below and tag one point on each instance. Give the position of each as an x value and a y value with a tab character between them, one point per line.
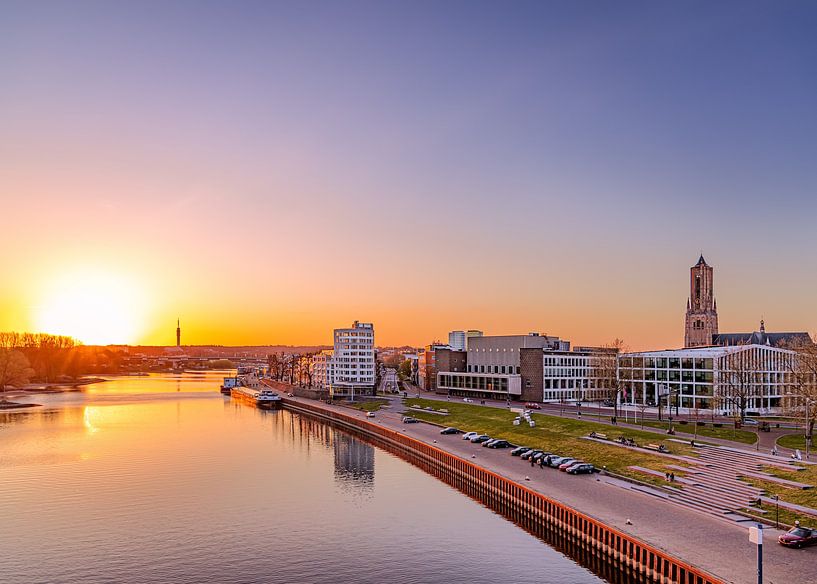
469	435
370	414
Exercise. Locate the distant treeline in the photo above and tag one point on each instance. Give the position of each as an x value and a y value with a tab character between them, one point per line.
51	358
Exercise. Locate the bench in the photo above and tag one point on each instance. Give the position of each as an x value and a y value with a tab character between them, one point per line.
599	436
655	447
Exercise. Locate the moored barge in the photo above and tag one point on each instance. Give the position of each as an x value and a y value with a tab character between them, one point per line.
265	399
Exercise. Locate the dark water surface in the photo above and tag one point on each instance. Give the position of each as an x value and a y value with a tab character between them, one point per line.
161	479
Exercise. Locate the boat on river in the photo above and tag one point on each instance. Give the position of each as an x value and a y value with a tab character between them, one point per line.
229	384
265	399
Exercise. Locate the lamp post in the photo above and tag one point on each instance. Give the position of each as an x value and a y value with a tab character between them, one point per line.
808	434
776	511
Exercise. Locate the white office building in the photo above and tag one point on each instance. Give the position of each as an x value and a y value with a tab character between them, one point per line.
755	378
353	361
458	340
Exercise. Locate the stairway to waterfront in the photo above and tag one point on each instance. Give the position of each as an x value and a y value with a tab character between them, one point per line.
711	483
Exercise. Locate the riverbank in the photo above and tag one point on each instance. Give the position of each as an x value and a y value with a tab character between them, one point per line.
717	545
57	387
7	405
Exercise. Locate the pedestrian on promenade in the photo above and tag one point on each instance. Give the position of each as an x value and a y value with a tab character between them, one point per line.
672	477
532	462
666	476
541	462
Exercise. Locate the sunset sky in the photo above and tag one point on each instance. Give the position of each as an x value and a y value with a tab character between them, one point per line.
268	171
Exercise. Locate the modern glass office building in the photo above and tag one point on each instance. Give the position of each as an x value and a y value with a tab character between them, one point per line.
754	378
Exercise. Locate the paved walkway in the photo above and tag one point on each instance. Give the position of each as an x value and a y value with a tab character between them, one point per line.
701	538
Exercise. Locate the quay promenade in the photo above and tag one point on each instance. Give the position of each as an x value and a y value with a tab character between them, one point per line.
716	545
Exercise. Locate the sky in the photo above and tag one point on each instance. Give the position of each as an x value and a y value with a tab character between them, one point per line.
269	171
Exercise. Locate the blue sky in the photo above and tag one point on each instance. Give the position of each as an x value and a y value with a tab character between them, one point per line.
575	156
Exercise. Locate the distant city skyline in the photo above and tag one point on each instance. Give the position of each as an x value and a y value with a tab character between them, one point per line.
532	166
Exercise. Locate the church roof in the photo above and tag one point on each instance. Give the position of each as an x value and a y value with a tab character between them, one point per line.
760	338
701	261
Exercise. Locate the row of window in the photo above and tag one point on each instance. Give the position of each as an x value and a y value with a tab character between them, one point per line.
665	362
475	383
506	369
566	361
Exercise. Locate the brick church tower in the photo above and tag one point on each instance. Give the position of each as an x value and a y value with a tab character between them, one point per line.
702	309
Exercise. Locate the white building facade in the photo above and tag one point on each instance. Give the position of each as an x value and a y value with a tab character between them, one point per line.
322	369
353	361
573	376
458	340
750	378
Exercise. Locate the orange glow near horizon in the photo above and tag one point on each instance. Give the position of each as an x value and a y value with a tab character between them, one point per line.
95	307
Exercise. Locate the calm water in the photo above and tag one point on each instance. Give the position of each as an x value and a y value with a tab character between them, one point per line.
161	479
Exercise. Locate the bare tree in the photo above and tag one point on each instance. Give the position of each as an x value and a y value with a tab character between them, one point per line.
307	367
802	377
740	378
276	366
15	370
604	369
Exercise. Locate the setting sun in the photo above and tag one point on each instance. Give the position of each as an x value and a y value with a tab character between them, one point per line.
95	308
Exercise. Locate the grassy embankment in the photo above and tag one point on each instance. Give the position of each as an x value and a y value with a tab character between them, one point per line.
806	498
709	431
556	434
793	441
367	406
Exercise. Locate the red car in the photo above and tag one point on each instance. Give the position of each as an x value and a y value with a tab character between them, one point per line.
533	406
798	537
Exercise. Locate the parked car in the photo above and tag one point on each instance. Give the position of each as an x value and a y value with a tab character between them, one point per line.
370	414
529	453
555	461
533	406
410	420
498	444
798	537
608	403
536	457
469	435
520	450
581	468
489	442
480	439
449	431
567	463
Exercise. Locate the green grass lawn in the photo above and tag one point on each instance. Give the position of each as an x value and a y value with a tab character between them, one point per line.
793	441
807	498
556	434
725	433
367	406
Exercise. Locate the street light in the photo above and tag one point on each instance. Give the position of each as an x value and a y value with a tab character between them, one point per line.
807	434
776	511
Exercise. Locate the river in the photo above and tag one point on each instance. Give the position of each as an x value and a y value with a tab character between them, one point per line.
161	479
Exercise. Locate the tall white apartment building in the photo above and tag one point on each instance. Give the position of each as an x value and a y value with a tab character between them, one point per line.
322	369
353	366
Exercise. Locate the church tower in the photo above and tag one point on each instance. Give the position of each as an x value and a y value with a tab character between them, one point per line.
178	333
702	310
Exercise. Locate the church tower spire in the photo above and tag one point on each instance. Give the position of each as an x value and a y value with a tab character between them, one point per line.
702	311
178	332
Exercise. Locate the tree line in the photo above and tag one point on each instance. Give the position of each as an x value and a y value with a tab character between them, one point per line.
44	358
